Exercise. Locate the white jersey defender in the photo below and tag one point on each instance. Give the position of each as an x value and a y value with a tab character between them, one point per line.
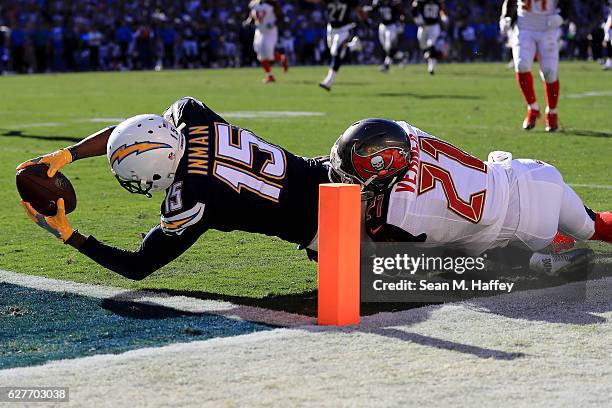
266	32
536	34
452	199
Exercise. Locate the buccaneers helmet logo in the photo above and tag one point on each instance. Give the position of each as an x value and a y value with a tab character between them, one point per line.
383	163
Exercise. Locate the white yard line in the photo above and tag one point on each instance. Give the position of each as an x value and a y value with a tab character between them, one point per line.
34	125
237	114
269	114
182	303
588	94
594	186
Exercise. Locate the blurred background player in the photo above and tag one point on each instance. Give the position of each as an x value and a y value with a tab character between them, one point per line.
340	36
608	37
392	17
264	13
428	14
536	33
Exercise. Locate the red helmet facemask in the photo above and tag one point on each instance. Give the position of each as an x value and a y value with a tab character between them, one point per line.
381	164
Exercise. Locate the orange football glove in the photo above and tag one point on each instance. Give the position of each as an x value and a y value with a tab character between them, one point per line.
57	224
56	161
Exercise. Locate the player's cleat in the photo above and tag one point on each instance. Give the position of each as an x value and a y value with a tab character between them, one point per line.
603	227
269	79
567	263
325	86
384	69
608	65
531	119
551	122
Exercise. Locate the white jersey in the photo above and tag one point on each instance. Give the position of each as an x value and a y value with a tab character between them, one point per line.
451	197
263	15
534	15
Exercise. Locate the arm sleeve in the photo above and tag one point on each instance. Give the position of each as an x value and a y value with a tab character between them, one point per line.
157	249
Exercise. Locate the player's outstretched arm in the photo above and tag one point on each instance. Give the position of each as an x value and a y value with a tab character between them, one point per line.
156	250
91	146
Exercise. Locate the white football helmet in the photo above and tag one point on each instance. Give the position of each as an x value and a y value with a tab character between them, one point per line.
144	153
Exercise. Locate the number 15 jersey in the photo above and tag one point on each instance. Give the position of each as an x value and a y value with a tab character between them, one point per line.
229	179
447	198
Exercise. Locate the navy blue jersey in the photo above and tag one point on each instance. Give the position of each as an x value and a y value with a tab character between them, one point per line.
228	179
390	11
339	12
428	9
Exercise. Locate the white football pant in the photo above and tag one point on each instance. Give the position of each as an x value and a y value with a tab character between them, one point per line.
526	44
388	36
264	43
428	35
542	204
337	38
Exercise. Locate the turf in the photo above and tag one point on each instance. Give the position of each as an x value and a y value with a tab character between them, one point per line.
476	106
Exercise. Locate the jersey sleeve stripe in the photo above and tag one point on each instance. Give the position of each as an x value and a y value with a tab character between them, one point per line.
177	224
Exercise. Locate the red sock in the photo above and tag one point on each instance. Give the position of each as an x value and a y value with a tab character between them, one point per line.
603	227
278	57
266	66
552	94
525	81
562	242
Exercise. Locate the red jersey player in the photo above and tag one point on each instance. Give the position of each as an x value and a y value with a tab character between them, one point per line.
536	33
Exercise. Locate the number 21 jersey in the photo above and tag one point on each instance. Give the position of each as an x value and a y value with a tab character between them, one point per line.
229	179
448	197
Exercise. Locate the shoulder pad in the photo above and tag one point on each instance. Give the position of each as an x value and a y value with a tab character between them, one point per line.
174	114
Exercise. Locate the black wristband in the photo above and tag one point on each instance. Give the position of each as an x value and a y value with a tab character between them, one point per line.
76	240
73	153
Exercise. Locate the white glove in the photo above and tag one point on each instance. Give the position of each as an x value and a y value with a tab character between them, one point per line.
554	22
505	24
418	20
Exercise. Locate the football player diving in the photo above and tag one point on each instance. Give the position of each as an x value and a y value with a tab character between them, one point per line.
216	176
424	190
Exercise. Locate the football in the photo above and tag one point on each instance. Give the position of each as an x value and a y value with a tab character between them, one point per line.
42	192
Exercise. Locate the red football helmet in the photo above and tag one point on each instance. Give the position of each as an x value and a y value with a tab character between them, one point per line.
371	152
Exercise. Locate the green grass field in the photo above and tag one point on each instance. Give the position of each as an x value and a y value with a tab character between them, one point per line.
478	107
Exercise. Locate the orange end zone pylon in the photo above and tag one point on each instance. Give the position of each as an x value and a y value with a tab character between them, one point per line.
339	254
